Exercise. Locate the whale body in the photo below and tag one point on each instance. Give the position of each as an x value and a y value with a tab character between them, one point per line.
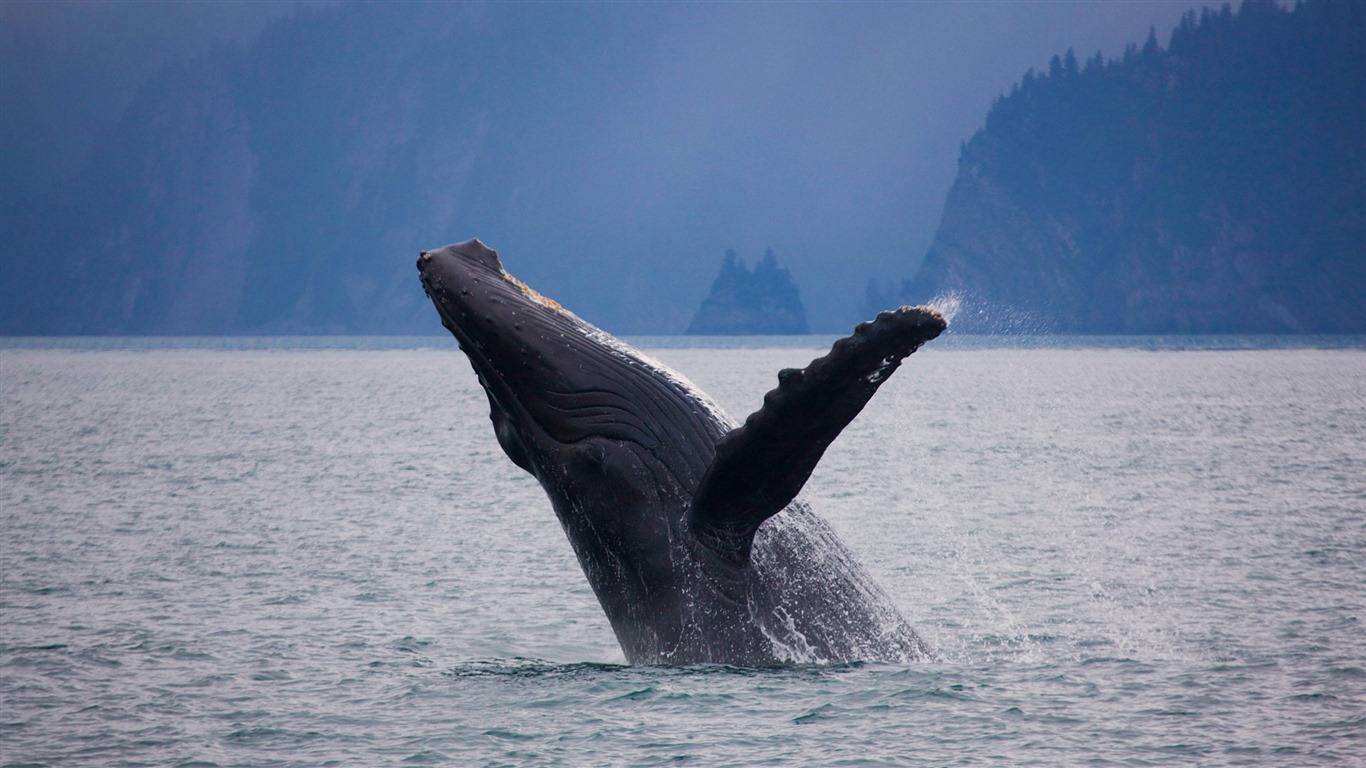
687	525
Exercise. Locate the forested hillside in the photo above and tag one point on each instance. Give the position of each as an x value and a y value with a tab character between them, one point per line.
1214	185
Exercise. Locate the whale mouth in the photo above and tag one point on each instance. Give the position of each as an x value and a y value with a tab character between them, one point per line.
471	292
478	301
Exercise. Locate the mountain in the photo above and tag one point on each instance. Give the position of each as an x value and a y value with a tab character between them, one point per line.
230	198
287	186
744	303
284	180
1214	186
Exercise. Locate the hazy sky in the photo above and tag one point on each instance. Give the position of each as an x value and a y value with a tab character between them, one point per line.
837	124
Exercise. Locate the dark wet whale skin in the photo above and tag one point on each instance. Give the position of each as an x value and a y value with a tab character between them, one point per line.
686	526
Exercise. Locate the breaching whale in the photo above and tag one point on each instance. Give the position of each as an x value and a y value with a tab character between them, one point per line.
686	524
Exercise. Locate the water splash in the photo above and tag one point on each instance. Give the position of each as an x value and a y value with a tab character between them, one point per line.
969	313
947	304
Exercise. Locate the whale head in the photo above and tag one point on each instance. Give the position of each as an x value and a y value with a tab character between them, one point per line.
618	441
553	380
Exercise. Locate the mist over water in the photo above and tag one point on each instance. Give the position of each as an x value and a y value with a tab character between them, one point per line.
290	557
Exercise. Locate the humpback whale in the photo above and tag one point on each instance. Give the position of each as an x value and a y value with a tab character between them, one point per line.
687	525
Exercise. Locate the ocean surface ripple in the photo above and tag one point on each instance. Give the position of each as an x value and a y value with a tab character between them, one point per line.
289	557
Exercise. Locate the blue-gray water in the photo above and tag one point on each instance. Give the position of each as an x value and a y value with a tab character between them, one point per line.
1145	554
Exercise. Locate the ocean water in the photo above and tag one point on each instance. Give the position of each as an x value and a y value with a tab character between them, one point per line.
245	553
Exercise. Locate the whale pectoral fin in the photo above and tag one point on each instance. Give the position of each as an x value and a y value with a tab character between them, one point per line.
761	465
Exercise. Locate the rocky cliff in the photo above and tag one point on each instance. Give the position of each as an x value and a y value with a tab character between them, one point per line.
286	187
230	198
1217	185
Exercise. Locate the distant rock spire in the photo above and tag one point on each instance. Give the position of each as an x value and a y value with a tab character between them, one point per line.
743	303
